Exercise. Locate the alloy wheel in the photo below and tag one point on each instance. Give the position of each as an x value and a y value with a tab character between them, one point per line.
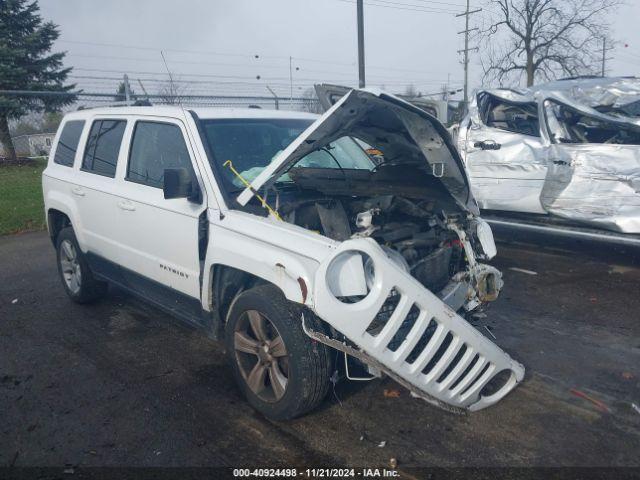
261	355
70	266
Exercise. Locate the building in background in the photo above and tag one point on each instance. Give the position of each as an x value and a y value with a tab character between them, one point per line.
33	145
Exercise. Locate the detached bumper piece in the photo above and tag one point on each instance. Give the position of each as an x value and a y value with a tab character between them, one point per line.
422	342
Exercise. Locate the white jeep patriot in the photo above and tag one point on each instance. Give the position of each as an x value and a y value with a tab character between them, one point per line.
293	237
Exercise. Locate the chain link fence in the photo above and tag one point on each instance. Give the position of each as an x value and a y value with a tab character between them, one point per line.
82	100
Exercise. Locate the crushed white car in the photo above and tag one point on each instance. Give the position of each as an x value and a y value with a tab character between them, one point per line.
569	149
280	233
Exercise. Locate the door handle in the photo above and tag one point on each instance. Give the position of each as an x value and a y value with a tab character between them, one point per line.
78	191
487	145
124	205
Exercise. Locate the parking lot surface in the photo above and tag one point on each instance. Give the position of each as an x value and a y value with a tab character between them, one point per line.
119	383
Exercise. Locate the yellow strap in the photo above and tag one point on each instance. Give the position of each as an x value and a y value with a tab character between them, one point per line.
248	185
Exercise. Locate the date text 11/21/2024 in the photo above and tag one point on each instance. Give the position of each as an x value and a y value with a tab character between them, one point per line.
316	473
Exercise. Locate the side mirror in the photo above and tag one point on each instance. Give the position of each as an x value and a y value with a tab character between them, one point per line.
179	183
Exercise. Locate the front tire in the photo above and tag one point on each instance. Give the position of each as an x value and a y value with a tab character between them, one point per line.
77	278
281	371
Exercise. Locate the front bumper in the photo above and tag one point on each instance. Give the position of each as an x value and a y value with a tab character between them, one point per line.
442	357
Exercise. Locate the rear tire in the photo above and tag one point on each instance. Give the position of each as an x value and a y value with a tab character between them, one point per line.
281	371
76	276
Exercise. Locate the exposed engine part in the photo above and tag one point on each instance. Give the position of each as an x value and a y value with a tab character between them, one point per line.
334	221
433	271
413	236
364	221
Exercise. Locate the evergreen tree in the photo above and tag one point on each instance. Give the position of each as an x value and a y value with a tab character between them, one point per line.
121	94
26	64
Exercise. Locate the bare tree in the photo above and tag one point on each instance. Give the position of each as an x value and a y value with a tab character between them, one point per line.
310	101
542	39
172	93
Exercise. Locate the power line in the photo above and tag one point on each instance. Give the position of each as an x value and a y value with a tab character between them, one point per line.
155	49
411	5
256	66
459	5
398	8
379	78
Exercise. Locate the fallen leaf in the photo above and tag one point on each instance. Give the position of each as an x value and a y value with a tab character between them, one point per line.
601	406
391	393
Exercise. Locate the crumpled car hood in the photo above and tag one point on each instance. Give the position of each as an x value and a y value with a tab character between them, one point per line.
400	130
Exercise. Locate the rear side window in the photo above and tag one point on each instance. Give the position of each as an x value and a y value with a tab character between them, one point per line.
568	125
68	143
154	147
103	145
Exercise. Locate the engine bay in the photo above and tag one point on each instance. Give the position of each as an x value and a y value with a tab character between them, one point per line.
404	209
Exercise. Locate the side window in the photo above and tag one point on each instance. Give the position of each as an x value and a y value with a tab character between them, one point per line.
68	143
516	117
568	125
103	145
154	147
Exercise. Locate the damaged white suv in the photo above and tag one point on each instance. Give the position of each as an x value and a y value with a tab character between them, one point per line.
291	236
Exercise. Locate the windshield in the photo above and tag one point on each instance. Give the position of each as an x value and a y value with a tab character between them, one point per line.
251	144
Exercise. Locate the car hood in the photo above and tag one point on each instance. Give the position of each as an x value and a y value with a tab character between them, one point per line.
403	132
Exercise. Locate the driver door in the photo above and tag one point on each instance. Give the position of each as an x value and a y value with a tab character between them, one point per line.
504	155
159	237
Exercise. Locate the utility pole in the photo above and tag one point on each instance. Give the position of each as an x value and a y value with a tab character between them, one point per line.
605	49
467	49
361	80
604	56
291	79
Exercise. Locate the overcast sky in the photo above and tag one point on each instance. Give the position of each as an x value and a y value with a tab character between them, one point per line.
212	45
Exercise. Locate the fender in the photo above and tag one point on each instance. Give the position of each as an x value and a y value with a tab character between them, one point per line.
55	199
292	272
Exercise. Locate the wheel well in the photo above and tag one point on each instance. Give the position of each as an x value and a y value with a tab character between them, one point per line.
228	283
56	221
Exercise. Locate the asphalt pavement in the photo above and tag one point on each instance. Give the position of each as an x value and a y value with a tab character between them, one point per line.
119	383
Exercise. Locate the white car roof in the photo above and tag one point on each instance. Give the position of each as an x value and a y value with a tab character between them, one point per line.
202	112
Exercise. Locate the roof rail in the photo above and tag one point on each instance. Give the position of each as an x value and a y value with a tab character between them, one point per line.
123	103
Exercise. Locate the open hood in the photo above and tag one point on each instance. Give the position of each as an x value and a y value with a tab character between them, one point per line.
404	133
